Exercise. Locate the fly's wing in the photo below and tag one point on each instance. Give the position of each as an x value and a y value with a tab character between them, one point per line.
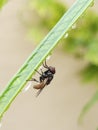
39	86
39	92
42	88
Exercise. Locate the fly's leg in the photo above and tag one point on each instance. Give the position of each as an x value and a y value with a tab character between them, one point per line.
33	79
41	71
45	64
38	72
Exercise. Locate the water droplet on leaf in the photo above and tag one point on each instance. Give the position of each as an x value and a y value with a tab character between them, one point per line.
27	87
74	26
66	35
48	57
92	3
40	67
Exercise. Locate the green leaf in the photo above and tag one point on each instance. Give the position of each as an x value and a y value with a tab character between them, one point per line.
92	53
90	73
40	53
86	108
2	2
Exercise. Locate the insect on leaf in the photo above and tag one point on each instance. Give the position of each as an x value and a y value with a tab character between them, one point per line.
45	47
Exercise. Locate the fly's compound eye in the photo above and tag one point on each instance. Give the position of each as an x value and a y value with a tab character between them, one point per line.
52	69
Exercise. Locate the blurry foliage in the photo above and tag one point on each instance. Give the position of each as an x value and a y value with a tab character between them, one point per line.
45	13
90	73
2	2
82	41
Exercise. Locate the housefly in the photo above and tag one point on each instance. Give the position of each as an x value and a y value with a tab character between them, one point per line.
45	77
